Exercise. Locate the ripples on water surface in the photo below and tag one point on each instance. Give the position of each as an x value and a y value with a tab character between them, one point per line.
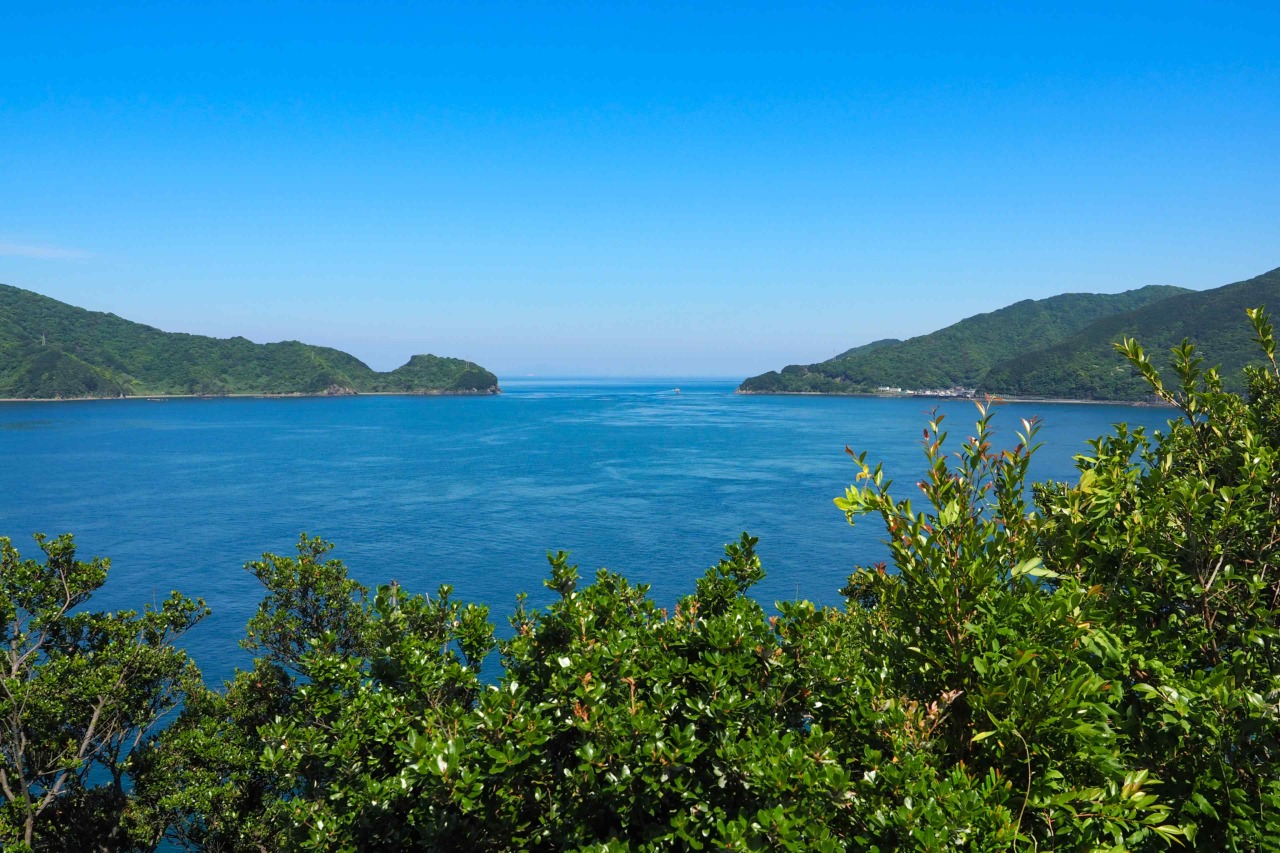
473	491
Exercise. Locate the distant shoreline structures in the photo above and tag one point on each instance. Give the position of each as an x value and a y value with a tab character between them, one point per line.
955	393
946	395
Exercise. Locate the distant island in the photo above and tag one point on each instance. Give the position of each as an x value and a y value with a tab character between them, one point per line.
1055	348
51	350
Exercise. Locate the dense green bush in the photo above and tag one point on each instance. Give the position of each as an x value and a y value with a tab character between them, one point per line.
78	693
1055	666
1180	535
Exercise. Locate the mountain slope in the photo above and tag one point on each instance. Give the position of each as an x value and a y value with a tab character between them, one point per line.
51	349
960	354
865	348
1086	365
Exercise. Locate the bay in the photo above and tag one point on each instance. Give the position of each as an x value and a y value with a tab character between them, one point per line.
473	491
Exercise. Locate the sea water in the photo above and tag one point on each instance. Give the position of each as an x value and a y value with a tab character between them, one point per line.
473	491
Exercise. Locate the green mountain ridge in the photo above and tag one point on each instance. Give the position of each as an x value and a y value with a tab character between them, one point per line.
962	354
871	347
49	349
1087	366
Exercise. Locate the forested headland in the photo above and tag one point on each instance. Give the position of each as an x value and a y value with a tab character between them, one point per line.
49	349
1086	665
1059	348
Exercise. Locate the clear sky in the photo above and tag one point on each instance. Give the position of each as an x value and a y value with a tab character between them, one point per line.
645	189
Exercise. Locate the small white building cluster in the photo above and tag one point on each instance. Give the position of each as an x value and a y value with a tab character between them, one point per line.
953	391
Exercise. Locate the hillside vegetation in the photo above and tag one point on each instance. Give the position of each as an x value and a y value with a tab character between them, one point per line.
1086	365
49	349
960	354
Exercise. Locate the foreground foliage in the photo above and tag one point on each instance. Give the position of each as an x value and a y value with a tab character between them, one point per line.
1055	666
79	693
1180	534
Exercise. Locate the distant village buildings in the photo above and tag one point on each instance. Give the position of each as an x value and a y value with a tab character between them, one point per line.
953	391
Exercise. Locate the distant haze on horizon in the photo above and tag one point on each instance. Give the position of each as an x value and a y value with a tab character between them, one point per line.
630	190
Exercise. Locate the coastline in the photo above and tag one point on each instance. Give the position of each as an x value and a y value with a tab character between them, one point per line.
1000	398
159	398
495	390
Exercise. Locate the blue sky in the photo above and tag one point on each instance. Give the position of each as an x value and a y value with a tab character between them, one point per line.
611	189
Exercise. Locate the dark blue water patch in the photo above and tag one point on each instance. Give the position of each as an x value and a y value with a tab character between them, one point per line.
473	491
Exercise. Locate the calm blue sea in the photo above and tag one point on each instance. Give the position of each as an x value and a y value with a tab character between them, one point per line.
473	491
